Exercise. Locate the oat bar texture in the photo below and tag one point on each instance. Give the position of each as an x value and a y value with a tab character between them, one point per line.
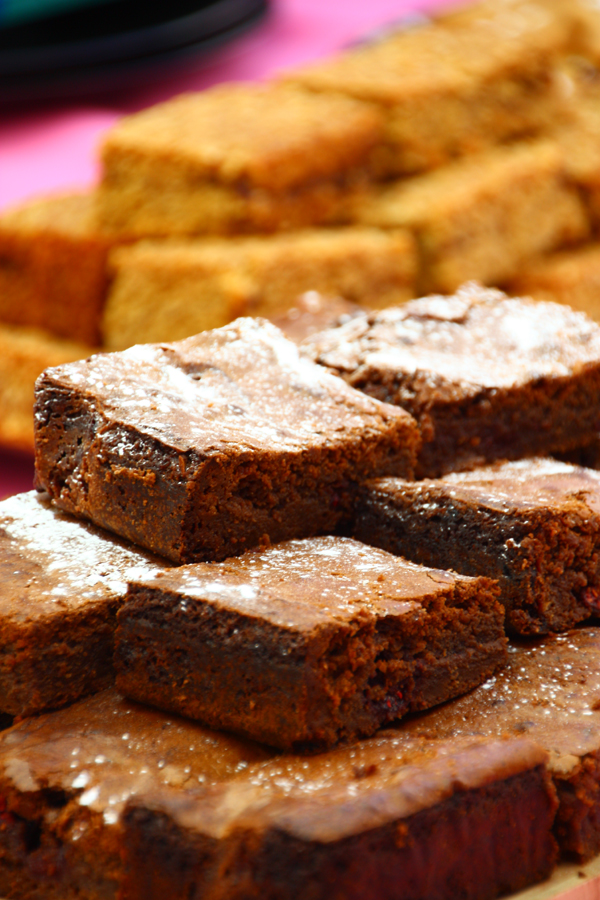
235	158
307	643
62	583
579	142
571	277
487	376
489	73
204	448
483	216
53	267
534	525
170	290
549	692
24	354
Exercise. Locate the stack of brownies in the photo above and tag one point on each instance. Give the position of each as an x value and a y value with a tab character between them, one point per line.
281	667
465	148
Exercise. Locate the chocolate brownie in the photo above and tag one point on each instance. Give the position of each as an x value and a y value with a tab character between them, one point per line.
65	776
307	643
550	692
483	216
236	158
204	448
487	376
312	312
377	821
62	582
168	290
534	525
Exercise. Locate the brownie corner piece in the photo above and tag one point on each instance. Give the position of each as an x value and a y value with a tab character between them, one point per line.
532	524
486	376
548	692
372	821
308	643
62	583
203	448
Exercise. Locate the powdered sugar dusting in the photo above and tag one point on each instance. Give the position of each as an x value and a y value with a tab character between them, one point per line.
301	583
244	383
64	560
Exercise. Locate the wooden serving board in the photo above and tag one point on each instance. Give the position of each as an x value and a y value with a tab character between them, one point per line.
569	882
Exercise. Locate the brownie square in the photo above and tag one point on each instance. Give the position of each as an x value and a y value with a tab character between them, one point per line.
534	525
235	158
312	312
53	267
362	823
487	376
483	216
170	290
549	692
63	581
307	643
66	778
204	448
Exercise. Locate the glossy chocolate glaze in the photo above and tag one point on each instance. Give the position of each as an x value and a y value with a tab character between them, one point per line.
106	750
361	787
549	690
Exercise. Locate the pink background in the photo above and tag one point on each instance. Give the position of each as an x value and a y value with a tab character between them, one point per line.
54	147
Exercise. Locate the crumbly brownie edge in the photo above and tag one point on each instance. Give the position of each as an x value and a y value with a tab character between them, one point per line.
548	568
55	661
189	507
504	845
577	824
40	862
305	692
549	415
241	503
77	469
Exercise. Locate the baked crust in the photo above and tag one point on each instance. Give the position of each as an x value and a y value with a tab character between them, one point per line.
204	448
307	643
534	525
487	376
